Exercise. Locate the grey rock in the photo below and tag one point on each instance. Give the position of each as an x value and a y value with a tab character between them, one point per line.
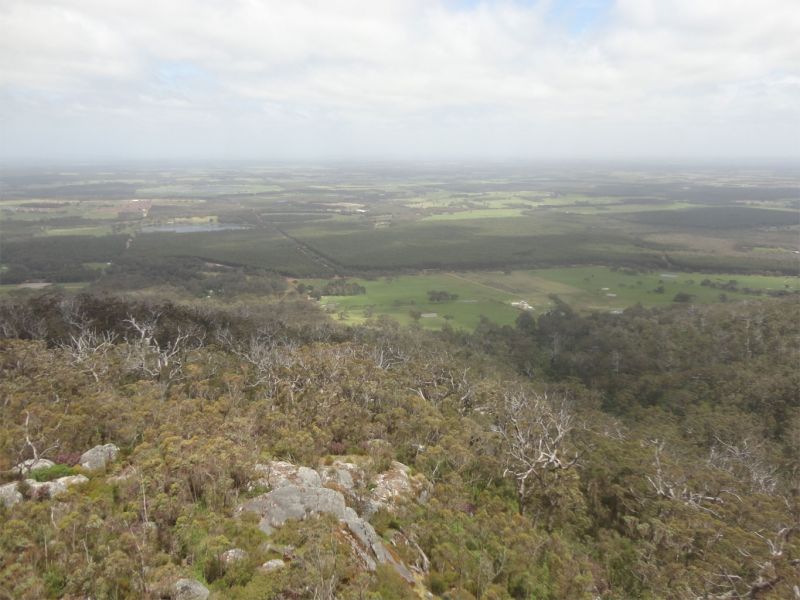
233	555
99	456
396	485
421	562
9	495
190	589
294	502
279	473
26	466
343	474
55	487
299	502
369	540
273	565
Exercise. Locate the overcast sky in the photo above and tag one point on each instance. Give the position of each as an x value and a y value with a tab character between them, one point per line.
330	79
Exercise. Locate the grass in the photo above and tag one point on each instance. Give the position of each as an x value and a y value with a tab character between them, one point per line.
98	266
602	288
397	297
90	230
483	213
490	293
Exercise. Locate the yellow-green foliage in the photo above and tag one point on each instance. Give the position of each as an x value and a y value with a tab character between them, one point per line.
653	500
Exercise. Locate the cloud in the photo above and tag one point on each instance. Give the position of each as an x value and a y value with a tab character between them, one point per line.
405	78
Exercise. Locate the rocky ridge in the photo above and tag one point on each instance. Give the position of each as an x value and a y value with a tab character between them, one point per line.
297	492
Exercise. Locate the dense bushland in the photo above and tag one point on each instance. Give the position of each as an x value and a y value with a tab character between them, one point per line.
652	454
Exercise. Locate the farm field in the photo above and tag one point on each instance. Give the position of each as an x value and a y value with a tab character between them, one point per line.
607	289
491	293
491	235
402	296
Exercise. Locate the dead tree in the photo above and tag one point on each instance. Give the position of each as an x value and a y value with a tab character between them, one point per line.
535	432
89	349
35	445
769	572
667	485
161	360
745	460
267	357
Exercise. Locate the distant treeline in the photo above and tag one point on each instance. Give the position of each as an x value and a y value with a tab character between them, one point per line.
58	259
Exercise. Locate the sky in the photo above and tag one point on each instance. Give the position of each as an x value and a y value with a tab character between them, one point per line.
399	79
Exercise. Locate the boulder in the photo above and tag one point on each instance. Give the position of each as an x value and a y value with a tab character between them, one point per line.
233	555
343	474
396	485
26	466
279	473
9	495
55	487
190	589
273	565
99	456
295	502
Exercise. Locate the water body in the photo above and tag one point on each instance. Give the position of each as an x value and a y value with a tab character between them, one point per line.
191	227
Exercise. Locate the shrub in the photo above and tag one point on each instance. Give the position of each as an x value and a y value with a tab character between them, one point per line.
51	473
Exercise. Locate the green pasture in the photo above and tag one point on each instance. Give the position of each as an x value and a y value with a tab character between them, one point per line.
480	213
93	230
398	297
603	288
490	293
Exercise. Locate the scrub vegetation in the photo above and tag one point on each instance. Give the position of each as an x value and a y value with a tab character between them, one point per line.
470	383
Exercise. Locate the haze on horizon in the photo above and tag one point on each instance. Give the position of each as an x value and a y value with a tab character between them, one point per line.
399	79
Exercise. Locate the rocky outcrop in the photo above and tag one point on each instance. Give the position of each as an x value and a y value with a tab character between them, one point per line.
298	492
232	556
32	464
98	457
279	473
9	495
273	565
190	589
299	502
295	502
53	488
342	474
397	485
